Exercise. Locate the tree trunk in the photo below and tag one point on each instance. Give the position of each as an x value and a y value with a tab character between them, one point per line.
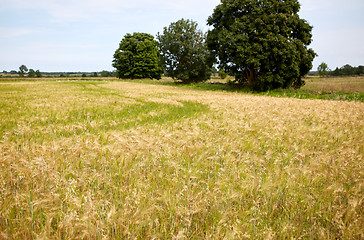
250	74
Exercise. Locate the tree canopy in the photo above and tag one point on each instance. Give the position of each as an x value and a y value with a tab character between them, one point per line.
184	52
31	73
137	57
322	69
38	74
348	70
23	70
264	43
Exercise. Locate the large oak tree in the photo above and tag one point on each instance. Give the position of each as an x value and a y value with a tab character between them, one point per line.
137	57
263	43
184	52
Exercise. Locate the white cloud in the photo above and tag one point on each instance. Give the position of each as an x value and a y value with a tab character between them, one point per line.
76	10
15	32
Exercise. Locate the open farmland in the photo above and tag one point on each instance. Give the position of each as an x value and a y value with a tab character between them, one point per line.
335	84
111	160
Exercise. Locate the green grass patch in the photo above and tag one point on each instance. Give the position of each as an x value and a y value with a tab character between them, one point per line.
87	108
343	89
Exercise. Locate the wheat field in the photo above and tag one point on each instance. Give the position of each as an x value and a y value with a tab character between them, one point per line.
123	160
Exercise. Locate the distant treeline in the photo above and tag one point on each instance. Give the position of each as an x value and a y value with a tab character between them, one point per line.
347	70
37	74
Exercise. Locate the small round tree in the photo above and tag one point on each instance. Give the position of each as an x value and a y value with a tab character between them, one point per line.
38	74
264	43
322	69
23	70
184	52
31	73
137	57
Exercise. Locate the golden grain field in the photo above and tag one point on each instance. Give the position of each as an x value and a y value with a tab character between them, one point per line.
122	160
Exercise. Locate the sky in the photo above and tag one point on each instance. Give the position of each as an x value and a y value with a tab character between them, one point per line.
82	35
